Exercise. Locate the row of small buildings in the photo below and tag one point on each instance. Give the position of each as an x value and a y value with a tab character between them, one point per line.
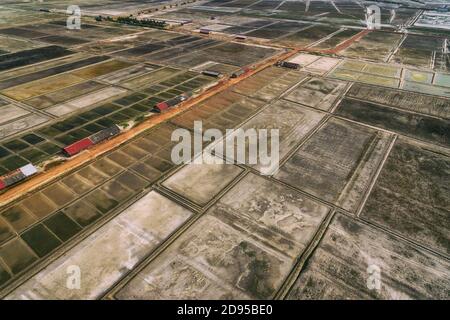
71	150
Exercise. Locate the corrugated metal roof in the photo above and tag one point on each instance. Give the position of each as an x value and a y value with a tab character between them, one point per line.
174	101
13	178
104	134
17	176
239	73
78	146
290	65
28	170
211	73
162	106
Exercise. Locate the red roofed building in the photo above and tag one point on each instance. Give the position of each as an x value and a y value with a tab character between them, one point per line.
78	146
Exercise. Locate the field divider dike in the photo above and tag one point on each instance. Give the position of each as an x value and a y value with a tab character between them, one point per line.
342	46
